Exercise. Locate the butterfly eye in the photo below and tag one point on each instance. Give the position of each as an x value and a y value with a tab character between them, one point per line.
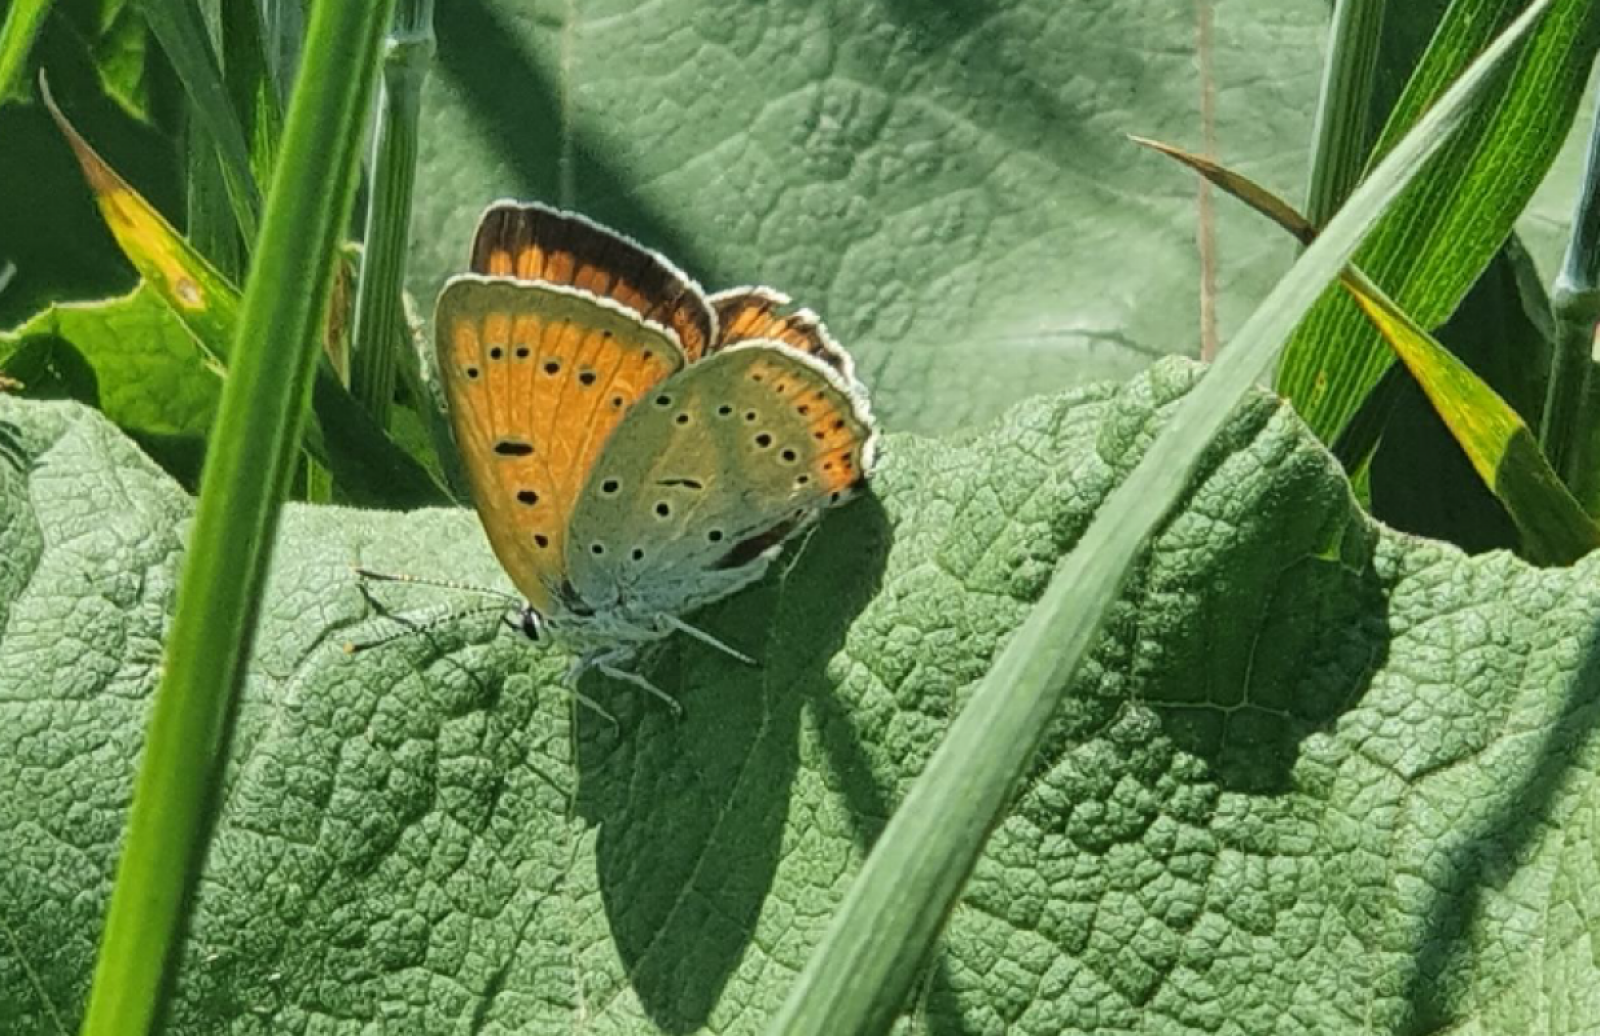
724	410
663	400
682	419
587	378
472	372
552	367
763	440
527	496
522	352
513	448
496	352
663	509
789	456
540	540
597	549
750	415
610	485
715	535
802	410
637	555
802	480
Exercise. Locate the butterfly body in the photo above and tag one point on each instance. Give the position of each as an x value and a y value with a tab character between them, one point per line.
635	449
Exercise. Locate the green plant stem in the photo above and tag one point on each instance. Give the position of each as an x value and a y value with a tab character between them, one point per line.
858	976
1572	413
253	446
17	33
379	330
1339	138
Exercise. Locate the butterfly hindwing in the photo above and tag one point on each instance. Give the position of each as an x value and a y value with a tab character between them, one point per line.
710	473
748	314
538	377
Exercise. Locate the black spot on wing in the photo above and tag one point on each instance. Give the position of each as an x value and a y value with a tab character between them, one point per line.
747	550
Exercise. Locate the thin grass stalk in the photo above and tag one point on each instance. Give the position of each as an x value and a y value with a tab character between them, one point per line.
253	446
380	326
1339	136
185	38
857	978
251	87
211	225
1569	429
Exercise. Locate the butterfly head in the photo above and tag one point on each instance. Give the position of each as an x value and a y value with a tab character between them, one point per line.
530	622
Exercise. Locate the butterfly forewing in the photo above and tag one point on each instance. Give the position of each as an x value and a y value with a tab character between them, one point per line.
538	376
714	469
534	243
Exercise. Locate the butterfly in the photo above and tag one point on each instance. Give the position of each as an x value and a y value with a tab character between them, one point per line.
635	448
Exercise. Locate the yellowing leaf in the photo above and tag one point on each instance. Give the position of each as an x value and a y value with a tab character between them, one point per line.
1498	443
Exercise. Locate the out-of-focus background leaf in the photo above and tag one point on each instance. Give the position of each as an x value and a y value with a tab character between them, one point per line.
949	185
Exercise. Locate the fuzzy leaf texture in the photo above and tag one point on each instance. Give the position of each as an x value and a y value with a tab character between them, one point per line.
1321	777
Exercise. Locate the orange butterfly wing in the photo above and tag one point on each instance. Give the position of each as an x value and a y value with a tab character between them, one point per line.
538	376
748	314
534	243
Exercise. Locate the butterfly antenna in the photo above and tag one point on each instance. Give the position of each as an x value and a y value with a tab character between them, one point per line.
705	638
413	625
369	575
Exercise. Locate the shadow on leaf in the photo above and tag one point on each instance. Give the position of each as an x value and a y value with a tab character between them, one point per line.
692	811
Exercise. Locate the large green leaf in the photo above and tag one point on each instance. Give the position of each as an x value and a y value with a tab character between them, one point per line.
948	185
150	375
1321	774
132	359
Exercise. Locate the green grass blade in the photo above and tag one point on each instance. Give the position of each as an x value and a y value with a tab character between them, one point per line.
1339	136
251	86
380	326
254	443
1572	412
1434	243
181	30
211	226
1495	439
17	33
859	975
1490	432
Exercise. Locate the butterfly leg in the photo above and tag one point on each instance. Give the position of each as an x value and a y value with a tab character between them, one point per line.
605	662
673	622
